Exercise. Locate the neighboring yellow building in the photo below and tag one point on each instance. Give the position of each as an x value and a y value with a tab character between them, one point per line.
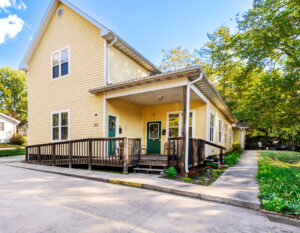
86	82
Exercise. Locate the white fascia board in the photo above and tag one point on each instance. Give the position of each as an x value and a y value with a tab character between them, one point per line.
10	118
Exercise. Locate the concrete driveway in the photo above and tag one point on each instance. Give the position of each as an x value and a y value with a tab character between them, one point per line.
33	201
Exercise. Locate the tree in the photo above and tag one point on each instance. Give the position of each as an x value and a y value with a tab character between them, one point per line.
13	93
269	32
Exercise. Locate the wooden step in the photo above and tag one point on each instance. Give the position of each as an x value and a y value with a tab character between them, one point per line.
153	164
148	169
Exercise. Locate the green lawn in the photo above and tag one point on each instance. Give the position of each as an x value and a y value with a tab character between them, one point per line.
232	158
279	181
6	153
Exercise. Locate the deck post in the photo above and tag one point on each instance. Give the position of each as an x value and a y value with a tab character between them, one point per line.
39	154
221	157
90	154
125	165
53	154
70	154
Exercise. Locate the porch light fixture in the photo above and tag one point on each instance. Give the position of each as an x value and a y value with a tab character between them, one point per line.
160	98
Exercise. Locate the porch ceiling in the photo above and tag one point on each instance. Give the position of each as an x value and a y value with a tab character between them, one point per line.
165	96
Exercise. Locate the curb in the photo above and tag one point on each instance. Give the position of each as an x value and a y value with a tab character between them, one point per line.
272	216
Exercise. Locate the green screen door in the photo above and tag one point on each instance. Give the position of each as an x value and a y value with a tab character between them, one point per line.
111	134
153	137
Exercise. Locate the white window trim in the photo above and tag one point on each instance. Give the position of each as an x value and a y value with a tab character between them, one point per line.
51	63
220	130
209	126
59	125
180	122
226	133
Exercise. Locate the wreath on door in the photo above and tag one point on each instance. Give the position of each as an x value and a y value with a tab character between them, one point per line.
111	125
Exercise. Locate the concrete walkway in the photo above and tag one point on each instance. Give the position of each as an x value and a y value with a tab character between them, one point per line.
12	159
239	182
237	186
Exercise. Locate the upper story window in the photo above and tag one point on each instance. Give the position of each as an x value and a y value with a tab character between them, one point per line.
211	126
220	130
1	126
60	63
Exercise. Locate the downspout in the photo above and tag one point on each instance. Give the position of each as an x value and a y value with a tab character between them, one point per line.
187	117
106	81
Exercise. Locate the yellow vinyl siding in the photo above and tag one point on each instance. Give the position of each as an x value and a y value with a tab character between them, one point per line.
219	115
123	68
129	115
237	135
70	92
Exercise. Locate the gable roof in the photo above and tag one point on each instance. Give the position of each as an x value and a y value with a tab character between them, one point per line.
106	33
10	118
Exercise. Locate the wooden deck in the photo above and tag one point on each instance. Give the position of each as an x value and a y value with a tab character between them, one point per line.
118	152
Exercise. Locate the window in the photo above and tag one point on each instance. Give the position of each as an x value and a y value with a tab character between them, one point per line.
175	124
230	137
60	126
220	130
60	63
225	134
211	127
1	126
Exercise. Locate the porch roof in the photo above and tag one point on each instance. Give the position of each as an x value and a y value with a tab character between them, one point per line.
192	73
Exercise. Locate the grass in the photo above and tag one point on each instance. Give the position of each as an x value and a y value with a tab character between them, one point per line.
232	158
279	181
6	153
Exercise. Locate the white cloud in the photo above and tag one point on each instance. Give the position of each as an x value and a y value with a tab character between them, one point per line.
16	4
4	4
10	27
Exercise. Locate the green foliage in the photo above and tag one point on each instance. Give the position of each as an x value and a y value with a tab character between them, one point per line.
186	179
17	139
256	70
13	93
6	153
279	182
283	156
232	158
236	146
171	172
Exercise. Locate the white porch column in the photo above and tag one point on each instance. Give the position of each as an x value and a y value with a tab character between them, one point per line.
187	126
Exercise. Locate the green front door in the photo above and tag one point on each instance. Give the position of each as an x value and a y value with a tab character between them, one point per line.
153	137
111	134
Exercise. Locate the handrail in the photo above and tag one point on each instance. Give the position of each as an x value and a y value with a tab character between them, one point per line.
207	142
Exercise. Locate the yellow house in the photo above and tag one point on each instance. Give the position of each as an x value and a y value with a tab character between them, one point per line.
87	83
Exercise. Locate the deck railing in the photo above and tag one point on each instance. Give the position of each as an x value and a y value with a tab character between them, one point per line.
116	152
196	154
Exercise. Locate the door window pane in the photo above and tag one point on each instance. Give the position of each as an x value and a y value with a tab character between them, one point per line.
153	131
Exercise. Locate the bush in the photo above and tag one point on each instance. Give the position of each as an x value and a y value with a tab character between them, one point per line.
236	146
192	174
186	179
171	172
17	139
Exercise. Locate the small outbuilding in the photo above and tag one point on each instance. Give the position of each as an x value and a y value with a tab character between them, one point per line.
8	126
239	133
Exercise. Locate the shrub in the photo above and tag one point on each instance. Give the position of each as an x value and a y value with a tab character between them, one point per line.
171	172
236	146
232	158
17	139
186	179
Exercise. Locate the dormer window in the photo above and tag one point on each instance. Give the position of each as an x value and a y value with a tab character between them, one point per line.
60	63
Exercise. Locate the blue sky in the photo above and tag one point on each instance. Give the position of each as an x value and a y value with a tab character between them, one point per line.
148	25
